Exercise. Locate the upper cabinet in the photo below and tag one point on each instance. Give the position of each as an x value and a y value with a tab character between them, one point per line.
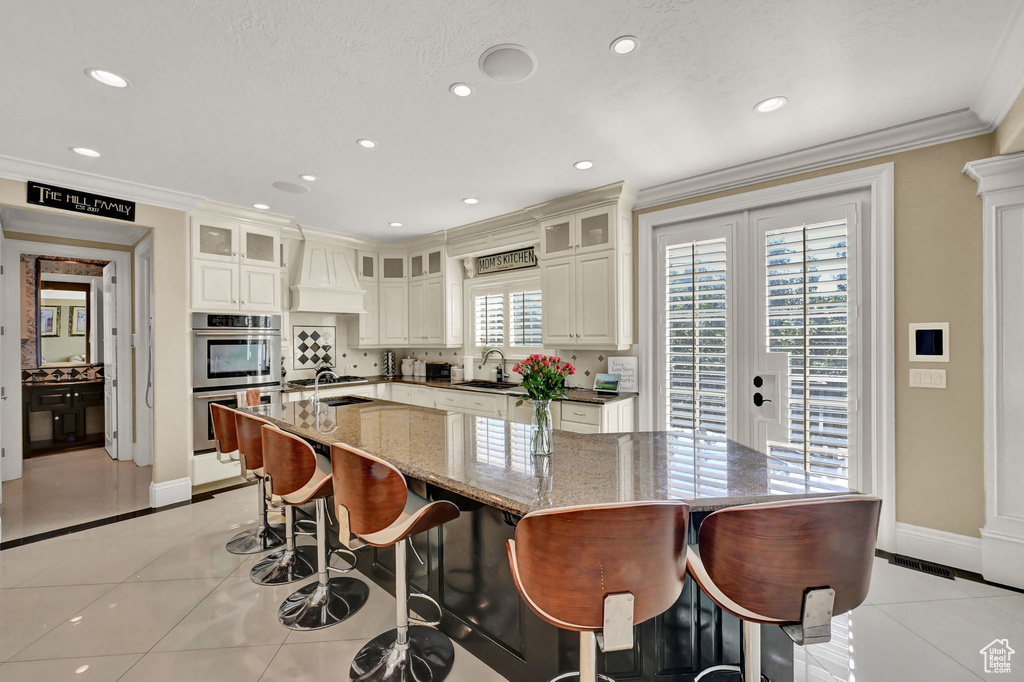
427	263
235	265
394	267
581	232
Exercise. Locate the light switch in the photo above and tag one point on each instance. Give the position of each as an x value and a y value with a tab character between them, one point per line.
927	378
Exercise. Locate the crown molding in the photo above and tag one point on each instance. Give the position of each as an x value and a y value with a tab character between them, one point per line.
1005	78
997	173
616	191
923	133
22	170
253	215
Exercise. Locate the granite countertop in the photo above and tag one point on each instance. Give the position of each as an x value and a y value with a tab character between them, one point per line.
487	459
577	395
62	382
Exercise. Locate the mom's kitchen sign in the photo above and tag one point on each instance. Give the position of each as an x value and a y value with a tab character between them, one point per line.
80	202
510	260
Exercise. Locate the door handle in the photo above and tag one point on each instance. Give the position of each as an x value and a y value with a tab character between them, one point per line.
760	400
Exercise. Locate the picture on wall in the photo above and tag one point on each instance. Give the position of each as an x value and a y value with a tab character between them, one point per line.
49	320
79	322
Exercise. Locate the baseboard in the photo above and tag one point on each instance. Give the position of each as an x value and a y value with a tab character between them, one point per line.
948	549
1002	558
170	492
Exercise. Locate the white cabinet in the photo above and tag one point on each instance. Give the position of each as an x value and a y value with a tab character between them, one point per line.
366	332
394	313
427	312
417	312
214	285
427	263
235	266
393	267
587	231
259	288
582	295
367	266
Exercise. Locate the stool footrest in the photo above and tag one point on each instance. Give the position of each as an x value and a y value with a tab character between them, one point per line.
421	621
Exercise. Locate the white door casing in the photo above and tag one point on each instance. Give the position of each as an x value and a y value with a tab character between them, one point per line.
110	367
878	472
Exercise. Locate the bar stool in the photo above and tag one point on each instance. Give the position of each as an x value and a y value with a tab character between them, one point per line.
328	600
600	570
371	499
286	473
794	564
249	441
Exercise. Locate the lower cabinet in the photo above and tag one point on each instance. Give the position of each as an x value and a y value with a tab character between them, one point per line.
60	417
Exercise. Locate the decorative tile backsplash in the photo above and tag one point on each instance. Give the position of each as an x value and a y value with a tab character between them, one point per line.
40	375
314	346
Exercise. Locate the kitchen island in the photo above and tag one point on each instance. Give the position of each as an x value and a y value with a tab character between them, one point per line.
483	465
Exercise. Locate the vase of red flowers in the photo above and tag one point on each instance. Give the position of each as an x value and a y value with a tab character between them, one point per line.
544	380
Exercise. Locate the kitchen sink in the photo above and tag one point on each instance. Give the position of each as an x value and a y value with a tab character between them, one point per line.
490	386
343	400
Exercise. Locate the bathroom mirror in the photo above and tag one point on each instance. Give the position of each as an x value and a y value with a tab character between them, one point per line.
64	326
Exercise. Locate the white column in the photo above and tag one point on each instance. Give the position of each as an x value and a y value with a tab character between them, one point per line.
1001	186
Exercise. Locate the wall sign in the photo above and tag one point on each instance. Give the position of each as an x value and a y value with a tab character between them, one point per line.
80	202
510	260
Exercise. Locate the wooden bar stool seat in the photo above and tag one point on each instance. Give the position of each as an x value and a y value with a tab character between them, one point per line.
299	476
600	570
794	564
248	440
373	503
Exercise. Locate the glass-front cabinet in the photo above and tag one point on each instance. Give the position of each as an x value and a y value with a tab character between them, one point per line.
393	267
367	266
215	240
258	246
426	263
583	232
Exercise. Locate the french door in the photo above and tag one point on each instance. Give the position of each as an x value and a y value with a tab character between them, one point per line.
760	338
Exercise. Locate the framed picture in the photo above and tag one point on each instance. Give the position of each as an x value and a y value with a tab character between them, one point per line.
606	383
79	321
49	320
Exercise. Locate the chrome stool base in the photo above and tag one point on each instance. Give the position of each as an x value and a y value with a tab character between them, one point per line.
428	656
575	677
256	540
316	605
281	568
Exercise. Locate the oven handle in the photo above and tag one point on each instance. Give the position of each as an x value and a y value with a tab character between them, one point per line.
243	334
217	396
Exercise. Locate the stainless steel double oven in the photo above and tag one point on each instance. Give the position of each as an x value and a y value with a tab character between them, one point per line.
232	353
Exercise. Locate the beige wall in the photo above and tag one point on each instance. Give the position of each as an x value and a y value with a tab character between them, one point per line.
171	367
1010	134
939	433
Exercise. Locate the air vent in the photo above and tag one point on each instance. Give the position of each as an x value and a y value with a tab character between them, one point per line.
923	566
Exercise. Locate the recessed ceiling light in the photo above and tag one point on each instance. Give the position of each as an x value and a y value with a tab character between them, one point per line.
770	104
262	207
583	165
109	78
369	144
85	151
81	669
461	90
394	224
470	201
508	63
624	44
307	177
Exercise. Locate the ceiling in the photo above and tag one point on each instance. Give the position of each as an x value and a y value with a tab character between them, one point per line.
231	96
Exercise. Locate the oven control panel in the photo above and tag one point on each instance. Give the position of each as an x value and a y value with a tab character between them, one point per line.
221	321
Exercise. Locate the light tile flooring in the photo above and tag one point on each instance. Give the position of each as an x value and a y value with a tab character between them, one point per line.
157	598
57	491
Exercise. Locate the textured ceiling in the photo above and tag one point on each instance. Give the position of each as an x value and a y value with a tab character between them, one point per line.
230	96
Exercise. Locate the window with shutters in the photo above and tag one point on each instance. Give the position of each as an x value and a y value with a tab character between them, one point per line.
507	317
808	319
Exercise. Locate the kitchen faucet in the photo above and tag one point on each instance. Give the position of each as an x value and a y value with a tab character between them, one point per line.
502	374
316	385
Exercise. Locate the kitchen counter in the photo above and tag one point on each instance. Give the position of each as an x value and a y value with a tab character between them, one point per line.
578	395
487	460
483	466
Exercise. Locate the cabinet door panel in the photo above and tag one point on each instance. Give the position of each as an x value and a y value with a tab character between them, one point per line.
259	246
369	322
595	307
215	240
596	229
260	289
559	282
558	236
394	312
433	311
417	331
214	286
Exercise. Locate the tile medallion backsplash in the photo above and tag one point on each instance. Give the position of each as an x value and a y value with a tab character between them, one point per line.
314	346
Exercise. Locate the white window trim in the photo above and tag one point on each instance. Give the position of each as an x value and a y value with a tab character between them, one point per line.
504	285
879	180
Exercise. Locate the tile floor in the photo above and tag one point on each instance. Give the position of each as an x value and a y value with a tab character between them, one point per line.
157	598
57	491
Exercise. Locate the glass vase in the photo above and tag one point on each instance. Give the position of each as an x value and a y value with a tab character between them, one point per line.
540	428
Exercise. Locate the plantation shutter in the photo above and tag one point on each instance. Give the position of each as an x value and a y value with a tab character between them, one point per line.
808	319
489	316
525	313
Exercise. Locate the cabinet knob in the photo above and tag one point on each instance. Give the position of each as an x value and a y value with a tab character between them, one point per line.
76	395
244	256
56	419
233	253
68	395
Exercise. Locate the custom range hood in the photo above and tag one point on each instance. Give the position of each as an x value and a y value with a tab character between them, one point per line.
325	276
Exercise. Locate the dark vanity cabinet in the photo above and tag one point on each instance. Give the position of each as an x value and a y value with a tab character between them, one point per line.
68	404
